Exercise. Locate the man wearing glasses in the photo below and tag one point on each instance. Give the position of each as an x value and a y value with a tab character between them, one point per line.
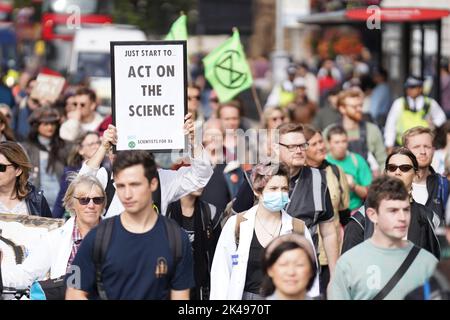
309	196
83	118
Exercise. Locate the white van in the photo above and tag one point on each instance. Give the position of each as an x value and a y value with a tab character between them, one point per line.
91	56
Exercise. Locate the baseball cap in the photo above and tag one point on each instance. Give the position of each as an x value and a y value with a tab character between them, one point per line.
299	82
291	69
413	82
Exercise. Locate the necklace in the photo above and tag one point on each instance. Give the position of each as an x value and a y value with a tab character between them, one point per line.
267	231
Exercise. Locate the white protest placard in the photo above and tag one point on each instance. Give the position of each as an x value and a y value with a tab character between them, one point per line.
48	87
149	81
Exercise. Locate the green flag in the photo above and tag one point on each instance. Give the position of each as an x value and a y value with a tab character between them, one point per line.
227	70
178	30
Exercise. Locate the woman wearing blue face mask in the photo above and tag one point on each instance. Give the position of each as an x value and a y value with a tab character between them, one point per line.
236	271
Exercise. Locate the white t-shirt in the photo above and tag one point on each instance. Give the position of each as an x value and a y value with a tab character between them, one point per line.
420	193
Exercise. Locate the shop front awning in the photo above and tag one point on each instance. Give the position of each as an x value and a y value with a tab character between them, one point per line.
360	15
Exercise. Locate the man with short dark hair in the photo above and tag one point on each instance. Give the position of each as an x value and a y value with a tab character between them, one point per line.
138	262
363	272
83	118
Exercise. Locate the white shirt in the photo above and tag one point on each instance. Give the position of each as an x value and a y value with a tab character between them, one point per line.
420	193
174	184
72	128
229	266
390	131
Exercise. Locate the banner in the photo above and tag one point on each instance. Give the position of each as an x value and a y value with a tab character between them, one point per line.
19	234
149	103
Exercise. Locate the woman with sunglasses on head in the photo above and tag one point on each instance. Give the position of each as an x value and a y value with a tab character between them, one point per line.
402	164
82	150
236	271
85	200
47	151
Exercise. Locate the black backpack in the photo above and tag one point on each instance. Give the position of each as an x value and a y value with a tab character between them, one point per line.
103	238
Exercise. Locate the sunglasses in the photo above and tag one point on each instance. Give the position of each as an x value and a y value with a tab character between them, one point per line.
402	167
85	200
194	98
4	166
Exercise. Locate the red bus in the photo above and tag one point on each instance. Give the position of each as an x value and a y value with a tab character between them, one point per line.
60	18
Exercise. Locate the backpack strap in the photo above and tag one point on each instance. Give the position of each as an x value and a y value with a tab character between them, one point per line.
110	190
443	189
298	226
398	274
337	173
359	218
156	195
426	105
174	237
101	243
237	226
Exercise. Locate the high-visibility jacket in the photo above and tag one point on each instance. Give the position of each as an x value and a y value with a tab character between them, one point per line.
411	118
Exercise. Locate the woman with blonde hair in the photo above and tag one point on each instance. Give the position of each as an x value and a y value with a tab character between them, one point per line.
85	199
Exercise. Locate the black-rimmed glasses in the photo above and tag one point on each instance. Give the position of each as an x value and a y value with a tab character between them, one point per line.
293	147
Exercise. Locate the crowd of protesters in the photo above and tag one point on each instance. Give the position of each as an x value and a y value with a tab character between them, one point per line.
337	194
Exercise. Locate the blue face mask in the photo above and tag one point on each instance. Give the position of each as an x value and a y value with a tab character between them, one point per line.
275	201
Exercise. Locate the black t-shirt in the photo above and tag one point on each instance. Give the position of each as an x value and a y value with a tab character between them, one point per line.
187	224
137	266
254	268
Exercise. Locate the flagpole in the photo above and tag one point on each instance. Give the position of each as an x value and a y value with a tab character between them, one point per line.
257	102
254	93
